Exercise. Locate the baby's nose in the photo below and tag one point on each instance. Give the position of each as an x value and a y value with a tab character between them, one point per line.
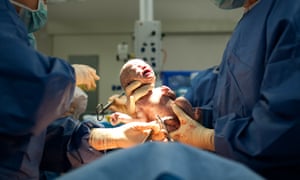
143	67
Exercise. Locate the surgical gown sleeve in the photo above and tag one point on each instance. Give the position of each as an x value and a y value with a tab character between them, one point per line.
257	119
35	89
201	92
66	145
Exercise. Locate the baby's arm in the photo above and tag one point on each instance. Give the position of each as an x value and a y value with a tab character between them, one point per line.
118	117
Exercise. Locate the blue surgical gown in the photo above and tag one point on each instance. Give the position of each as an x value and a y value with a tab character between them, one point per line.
35	90
162	161
255	104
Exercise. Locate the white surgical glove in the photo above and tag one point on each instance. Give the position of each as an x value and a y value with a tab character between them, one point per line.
124	136
191	132
86	76
117	118
119	103
126	104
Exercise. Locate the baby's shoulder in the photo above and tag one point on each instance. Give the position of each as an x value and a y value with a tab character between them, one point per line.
166	91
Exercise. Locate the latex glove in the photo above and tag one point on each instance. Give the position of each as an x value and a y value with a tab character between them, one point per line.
191	132
86	76
126	104
119	103
117	118
137	89
124	136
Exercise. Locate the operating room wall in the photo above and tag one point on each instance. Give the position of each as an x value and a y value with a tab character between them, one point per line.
193	52
182	52
105	46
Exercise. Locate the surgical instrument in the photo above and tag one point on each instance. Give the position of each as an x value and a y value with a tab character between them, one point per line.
100	108
163	126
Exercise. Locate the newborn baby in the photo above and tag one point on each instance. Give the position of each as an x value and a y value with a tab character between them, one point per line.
156	102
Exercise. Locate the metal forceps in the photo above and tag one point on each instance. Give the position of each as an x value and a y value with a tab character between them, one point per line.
162	125
100	108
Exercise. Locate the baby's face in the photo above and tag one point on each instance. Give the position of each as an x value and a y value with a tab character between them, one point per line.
136	69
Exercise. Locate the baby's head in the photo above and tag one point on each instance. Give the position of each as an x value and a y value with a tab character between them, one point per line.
136	70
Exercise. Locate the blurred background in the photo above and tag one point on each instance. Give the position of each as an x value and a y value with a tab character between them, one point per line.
97	32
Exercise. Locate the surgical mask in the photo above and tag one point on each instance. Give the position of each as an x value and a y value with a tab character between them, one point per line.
32	40
33	19
229	4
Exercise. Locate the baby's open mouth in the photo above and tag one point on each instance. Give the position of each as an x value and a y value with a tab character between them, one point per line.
147	73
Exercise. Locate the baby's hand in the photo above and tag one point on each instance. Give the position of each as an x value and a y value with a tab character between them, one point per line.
118	117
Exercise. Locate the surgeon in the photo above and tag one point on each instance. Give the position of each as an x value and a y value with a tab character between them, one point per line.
35	91
36	19
251	101
254	107
77	107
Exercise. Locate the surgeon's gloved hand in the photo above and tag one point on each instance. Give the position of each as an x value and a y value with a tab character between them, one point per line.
124	136
86	76
133	92
192	132
137	89
119	103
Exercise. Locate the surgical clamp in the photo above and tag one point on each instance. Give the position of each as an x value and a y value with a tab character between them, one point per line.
163	126
100	109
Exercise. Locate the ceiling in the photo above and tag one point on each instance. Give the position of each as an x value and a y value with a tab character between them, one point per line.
128	10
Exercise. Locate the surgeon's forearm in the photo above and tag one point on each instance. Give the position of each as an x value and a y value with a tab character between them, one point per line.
104	138
204	138
209	140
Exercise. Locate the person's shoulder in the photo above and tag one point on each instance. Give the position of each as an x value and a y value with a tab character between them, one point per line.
287	9
166	91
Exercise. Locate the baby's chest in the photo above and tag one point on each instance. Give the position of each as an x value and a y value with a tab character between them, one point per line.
151	106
